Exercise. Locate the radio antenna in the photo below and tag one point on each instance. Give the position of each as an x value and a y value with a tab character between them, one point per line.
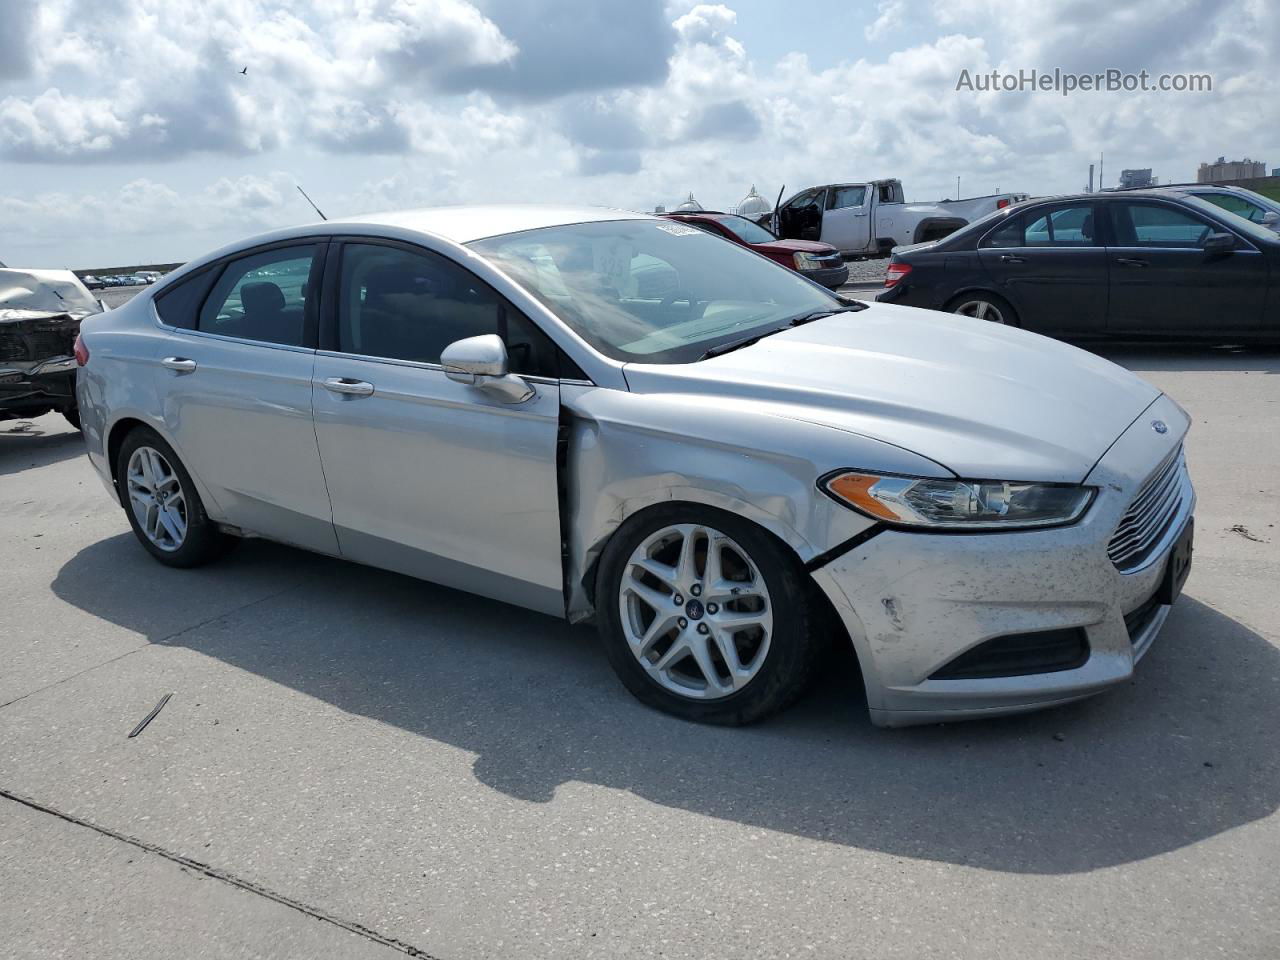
312	202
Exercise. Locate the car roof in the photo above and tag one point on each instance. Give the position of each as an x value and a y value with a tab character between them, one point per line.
463	224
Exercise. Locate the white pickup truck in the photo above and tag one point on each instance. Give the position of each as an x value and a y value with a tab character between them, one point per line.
870	219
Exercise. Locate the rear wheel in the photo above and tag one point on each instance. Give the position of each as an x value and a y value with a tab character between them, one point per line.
162	504
984	306
704	615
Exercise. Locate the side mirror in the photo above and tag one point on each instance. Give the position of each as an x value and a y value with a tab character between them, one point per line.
481	362
1270	219
1219	243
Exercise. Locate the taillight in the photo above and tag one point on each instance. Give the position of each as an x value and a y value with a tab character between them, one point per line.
81	351
1002	203
895	273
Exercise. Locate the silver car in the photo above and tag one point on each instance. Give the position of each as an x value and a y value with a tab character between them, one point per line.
599	414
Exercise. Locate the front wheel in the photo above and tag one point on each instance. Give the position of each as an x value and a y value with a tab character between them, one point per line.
984	306
162	504
704	615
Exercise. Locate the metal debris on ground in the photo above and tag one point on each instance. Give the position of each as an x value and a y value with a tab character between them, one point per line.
150	716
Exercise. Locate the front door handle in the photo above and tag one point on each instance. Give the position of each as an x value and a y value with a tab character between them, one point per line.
347	387
178	364
1131	261
1010	258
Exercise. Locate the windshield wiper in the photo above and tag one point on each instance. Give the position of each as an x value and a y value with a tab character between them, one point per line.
796	321
819	314
732	345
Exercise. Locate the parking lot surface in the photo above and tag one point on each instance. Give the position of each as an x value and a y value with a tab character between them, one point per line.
357	764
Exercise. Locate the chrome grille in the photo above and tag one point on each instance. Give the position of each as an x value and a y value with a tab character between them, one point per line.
1149	516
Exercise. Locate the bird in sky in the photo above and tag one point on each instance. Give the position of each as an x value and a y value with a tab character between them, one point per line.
244	72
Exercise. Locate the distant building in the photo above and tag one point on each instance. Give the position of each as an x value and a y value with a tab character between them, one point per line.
1134	179
1224	169
1275	171
752	205
689	206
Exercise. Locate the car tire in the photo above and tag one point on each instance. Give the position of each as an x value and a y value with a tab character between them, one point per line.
985	306
776	657
162	504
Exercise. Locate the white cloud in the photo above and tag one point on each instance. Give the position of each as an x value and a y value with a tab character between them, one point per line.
418	109
889	16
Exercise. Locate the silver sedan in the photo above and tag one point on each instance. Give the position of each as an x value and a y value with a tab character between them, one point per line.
598	414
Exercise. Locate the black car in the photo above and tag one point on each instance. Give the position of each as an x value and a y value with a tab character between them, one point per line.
1129	264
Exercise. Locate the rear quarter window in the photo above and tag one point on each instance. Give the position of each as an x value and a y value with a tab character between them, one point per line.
179	304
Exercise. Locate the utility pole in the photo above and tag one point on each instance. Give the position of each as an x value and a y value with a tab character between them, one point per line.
957	188
1101	178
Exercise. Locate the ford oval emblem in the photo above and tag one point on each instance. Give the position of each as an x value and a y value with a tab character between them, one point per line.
1159	426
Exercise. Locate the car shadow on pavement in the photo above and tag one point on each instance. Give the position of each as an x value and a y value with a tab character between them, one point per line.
1184	752
37	443
1143	357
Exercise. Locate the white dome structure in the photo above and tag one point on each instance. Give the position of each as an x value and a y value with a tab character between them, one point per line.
689	206
753	205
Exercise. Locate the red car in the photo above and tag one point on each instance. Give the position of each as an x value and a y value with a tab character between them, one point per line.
820	262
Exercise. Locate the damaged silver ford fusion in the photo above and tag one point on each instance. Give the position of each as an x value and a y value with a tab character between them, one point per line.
40	315
598	414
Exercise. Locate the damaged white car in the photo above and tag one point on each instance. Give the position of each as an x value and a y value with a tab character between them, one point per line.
593	413
40	314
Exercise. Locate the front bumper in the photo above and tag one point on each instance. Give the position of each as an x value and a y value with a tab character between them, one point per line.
913	602
37	386
829	277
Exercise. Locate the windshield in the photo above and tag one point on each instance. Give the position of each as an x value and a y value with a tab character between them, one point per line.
653	291
745	230
1235	221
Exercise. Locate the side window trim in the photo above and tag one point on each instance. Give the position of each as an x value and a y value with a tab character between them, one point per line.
328	342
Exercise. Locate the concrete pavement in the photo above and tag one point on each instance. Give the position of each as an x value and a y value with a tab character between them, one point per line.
354	763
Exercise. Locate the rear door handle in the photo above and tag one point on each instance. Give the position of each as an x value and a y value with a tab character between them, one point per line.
1131	261
349	388
178	364
1009	258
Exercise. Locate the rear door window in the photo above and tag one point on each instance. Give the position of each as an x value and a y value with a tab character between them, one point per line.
1062	226
263	297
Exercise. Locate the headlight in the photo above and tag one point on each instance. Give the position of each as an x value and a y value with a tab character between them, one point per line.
959	504
806	261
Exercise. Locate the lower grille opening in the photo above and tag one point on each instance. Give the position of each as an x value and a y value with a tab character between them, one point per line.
1137	620
1018	655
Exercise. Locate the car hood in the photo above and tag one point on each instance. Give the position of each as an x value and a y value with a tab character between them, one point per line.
983	400
797	246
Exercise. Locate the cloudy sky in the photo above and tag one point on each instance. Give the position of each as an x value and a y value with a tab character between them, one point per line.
129	134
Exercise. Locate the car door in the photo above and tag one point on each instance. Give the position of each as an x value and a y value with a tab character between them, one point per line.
427	476
1051	265
801	217
846	224
235	390
1164	281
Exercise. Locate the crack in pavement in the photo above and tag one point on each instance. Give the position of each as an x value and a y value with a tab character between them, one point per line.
152	643
215	873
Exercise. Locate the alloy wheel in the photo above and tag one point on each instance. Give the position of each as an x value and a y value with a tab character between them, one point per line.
696	611
157	498
981	310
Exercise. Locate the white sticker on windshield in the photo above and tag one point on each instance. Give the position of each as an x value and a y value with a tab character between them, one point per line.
678	229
